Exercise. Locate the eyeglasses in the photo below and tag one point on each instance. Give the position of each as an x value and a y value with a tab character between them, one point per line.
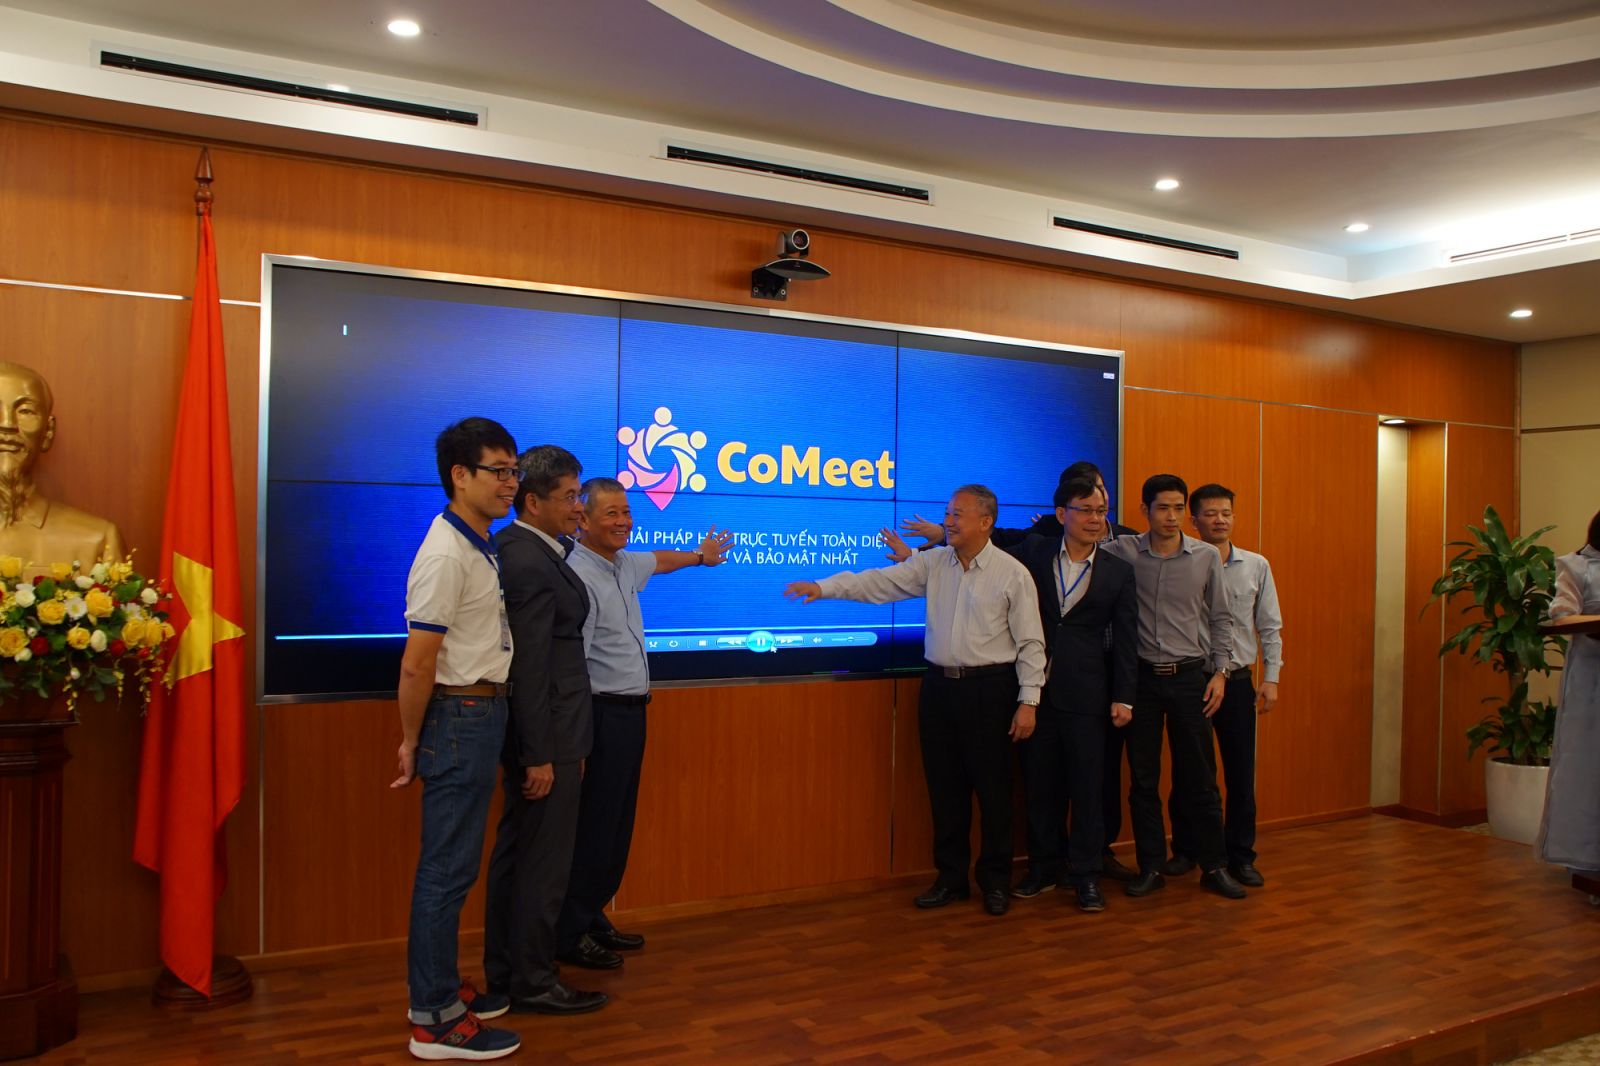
501	473
568	498
1093	512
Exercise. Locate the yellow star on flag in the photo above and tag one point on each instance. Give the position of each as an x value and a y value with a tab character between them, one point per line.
206	628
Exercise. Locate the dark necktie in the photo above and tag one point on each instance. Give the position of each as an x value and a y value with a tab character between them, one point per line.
566	546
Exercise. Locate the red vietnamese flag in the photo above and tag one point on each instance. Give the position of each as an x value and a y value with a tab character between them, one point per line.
193	767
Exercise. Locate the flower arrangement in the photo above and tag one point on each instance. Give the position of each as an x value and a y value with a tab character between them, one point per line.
73	631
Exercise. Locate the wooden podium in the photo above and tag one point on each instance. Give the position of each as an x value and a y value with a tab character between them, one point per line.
38	992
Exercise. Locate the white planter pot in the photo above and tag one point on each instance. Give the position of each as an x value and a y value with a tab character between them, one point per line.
1516	799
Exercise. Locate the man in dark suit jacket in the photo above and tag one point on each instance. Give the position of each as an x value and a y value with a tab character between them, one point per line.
548	736
1082	592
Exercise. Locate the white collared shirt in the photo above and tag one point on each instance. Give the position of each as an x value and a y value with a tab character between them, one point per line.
1072	579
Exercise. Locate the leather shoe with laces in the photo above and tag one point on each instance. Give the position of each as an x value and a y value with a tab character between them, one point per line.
1090	901
616	940
1147	882
996	901
1222	883
1177	866
938	896
1033	884
591	955
1246	874
559	999
1113	867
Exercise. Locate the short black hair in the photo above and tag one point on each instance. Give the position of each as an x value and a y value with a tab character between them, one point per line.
543	466
1209	491
464	443
1594	532
1159	483
1078	488
1081	469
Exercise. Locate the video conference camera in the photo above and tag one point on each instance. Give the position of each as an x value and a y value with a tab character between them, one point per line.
771	280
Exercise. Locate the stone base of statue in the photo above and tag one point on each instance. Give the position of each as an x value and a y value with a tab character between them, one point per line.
38	992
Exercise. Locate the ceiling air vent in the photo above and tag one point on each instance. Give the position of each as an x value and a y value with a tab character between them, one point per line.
1556	241
1146	238
798	173
254	83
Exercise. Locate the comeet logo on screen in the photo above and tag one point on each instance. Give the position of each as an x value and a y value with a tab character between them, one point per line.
662	459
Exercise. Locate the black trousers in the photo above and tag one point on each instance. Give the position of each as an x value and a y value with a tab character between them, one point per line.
964	724
1062	765
1175	703
1235	727
527	880
609	798
1111	783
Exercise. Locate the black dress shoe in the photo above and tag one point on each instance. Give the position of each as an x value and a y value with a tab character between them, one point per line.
1147	882
996	901
1112	867
1177	866
1034	884
1246	874
559	999
938	896
611	938
1222	883
590	955
1090	901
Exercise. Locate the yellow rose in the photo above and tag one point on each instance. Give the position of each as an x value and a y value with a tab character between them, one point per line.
10	566
133	632
153	634
99	603
77	638
12	640
60	571
51	612
118	572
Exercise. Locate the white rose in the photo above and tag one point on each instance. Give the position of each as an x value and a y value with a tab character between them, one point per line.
74	675
24	595
24	655
99	573
130	611
33	631
76	608
97	640
149	596
83	581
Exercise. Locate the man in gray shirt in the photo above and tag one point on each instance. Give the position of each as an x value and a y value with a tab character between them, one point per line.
1185	648
985	647
1253	601
619	677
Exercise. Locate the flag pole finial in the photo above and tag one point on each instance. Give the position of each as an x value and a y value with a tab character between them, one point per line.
202	181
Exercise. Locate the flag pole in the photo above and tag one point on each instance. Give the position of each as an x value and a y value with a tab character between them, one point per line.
230	980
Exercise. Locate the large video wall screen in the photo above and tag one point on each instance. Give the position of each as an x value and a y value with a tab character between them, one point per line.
804	437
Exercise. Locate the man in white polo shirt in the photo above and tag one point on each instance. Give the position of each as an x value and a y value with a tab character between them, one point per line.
453	722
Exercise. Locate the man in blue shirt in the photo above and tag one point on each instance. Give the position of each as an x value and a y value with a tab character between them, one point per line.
619	676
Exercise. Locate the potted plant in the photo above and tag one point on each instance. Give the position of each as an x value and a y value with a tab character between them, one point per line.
1511	583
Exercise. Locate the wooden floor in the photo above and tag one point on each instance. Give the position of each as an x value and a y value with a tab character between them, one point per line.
1376	940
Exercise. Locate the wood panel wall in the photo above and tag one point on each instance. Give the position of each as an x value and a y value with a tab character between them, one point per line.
748	789
1424	626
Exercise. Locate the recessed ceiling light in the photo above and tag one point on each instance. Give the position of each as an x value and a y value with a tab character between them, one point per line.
338	87
1357	227
1393	421
1167	184
404	28
1521	312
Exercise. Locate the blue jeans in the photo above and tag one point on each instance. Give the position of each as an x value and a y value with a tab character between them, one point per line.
458	754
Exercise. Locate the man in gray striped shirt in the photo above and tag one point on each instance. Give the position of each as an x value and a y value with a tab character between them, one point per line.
1257	621
985	647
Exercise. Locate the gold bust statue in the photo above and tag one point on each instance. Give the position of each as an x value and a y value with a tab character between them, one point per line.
40	531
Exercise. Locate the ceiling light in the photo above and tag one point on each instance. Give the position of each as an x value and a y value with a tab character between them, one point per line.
1521	312
1393	421
404	28
1167	184
338	87
1357	227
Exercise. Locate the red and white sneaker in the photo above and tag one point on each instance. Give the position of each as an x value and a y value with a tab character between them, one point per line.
462	1038
485	1005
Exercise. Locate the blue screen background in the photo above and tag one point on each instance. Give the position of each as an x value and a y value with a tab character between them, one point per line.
366	369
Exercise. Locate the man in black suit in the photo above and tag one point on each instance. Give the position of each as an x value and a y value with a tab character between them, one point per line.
1082	593
547	738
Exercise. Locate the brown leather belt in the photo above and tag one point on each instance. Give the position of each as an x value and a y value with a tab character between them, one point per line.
482	688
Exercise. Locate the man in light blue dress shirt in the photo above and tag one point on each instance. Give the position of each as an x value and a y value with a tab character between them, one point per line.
619	678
